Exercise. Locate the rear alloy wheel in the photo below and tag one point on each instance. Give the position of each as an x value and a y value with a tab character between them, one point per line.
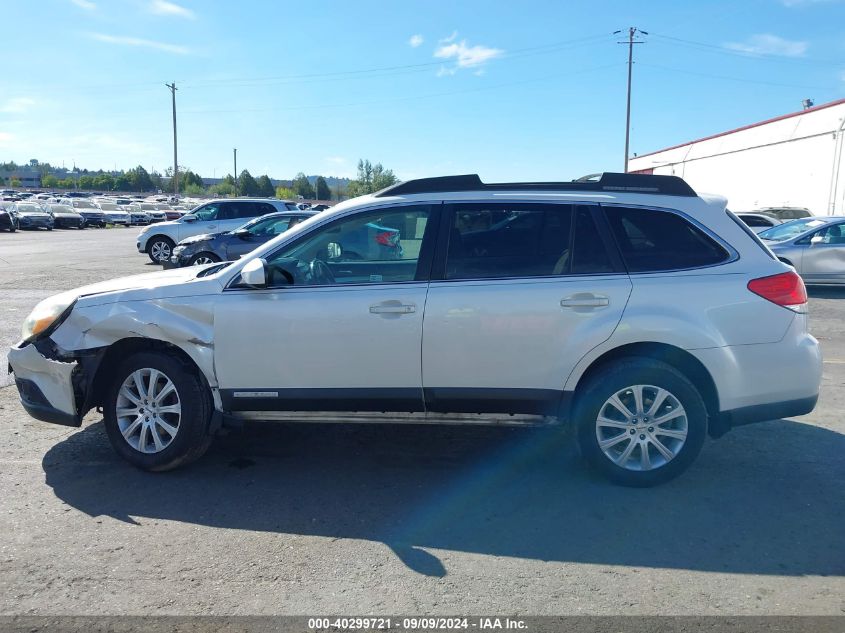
160	249
157	412
641	422
204	258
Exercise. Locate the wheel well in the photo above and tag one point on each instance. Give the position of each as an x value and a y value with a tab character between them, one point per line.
155	237
122	349
680	359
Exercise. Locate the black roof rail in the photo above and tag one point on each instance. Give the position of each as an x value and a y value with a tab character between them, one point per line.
608	181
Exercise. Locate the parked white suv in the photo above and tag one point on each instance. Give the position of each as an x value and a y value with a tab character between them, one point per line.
646	315
216	216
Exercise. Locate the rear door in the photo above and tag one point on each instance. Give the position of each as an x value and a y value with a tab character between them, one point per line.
519	294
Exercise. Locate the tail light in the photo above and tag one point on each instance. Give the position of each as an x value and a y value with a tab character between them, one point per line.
785	289
387	238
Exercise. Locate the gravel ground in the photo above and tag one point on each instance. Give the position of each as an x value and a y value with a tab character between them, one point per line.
285	519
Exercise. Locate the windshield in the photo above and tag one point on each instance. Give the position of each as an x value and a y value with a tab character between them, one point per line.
83	204
60	208
790	229
29	208
149	207
108	206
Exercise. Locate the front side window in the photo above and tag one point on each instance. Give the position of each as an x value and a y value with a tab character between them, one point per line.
270	226
834	234
207	212
489	241
651	241
788	230
370	247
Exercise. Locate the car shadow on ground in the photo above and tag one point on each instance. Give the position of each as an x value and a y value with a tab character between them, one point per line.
766	499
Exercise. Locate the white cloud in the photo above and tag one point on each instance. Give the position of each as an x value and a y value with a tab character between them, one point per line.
140	42
451	38
767	44
85	4
336	160
163	7
416	40
6	138
17	105
465	56
804	3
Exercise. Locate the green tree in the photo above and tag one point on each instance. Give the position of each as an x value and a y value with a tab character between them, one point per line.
193	190
265	187
140	179
285	193
247	186
371	178
222	190
86	182
322	190
15	182
104	182
122	183
302	187
49	181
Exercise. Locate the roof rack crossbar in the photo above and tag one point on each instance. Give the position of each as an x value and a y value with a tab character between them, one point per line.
609	181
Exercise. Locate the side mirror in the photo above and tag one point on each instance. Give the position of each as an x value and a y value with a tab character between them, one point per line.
190	217
254	274
242	233
817	239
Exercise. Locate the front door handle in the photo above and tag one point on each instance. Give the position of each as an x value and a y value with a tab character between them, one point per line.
393	308
585	301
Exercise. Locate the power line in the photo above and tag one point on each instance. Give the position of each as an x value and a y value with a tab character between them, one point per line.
721	49
738	79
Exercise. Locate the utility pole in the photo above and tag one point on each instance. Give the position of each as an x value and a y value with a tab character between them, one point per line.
173	90
632	32
235	152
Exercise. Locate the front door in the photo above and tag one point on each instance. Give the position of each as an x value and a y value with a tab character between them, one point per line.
526	290
824	260
346	334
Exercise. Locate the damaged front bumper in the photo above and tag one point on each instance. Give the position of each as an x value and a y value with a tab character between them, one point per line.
46	386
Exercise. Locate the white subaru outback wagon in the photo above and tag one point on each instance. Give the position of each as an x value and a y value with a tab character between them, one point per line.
644	314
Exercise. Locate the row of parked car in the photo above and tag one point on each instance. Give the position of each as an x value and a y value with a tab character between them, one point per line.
49	211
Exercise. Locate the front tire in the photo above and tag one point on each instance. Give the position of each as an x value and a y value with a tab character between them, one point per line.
157	412
203	258
159	249
641	422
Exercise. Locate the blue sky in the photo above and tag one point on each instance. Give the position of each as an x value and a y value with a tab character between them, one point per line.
509	90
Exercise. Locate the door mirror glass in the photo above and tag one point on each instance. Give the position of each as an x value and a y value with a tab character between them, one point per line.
242	233
334	250
254	273
817	239
189	217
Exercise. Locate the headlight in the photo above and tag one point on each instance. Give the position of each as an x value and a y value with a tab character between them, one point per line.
178	250
47	315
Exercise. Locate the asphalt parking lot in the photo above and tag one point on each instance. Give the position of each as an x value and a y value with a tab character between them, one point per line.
285	519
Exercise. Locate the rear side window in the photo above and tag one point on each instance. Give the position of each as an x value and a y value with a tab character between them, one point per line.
489	241
652	241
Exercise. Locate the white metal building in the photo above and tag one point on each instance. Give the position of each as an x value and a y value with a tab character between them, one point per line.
793	160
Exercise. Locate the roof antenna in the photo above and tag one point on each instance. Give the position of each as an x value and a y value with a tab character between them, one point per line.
807	103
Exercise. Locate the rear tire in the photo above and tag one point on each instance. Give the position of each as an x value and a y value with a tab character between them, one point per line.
658	436
173	403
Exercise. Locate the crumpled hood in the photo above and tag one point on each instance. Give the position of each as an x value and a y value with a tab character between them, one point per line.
146	286
205	237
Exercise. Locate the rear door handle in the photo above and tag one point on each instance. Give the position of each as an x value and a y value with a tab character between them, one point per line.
393	309
588	301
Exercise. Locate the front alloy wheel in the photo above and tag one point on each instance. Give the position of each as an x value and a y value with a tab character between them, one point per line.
148	410
160	250
157	410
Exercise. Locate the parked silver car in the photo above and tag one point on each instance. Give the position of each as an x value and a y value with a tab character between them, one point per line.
814	246
645	315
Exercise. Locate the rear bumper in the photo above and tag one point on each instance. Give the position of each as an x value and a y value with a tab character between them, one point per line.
45	386
769	411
